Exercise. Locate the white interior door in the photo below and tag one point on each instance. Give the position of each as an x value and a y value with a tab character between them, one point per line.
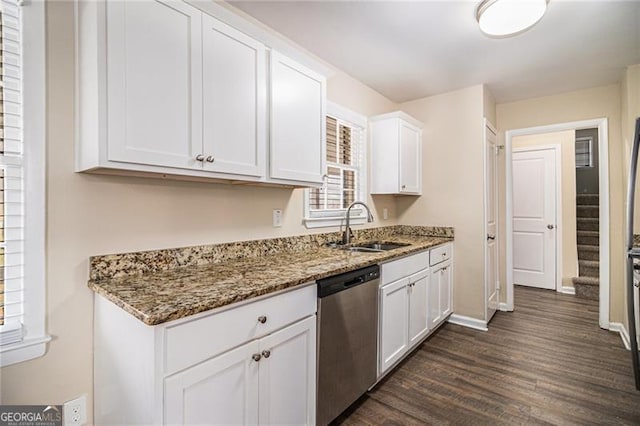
534	217
491	202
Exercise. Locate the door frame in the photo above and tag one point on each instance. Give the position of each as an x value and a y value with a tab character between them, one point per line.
557	151
602	124
489	126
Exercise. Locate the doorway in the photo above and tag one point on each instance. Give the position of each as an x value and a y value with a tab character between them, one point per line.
603	207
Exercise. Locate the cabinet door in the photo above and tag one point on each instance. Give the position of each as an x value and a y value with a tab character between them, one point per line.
394	310
154	78
234	100
223	390
288	375
446	290
418	307
410	158
297	142
435	313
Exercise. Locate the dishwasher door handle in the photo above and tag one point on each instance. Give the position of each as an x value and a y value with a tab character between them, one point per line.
355	281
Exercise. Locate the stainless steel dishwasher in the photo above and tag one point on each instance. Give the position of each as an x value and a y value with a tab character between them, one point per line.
347	339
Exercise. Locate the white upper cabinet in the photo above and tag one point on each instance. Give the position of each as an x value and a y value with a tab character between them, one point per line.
297	121
234	100
165	89
154	83
396	154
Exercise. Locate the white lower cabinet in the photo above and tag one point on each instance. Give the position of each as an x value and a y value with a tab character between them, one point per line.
394	308
223	390
418	307
440	291
250	364
404	317
287	379
414	300
266	381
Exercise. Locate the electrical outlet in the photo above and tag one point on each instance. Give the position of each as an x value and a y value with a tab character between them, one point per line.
385	213
74	412
277	218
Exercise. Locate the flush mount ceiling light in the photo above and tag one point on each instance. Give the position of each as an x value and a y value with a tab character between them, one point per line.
506	18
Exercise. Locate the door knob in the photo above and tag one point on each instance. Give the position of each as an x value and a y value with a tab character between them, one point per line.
550	226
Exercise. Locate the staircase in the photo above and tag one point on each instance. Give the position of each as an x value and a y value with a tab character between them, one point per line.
587	284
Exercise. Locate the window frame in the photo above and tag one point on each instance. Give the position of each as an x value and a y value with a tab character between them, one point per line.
35	338
335	217
589	140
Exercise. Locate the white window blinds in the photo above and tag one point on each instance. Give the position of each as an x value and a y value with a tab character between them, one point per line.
584	154
11	174
344	165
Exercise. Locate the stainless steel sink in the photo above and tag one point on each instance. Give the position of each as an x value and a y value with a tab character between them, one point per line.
372	247
381	246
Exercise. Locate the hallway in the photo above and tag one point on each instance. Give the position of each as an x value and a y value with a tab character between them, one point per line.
546	363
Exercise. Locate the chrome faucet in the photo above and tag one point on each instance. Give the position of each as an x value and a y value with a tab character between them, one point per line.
346	237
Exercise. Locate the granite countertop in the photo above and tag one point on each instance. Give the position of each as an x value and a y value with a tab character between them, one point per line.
164	295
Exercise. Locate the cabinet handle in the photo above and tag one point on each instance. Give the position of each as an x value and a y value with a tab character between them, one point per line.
262	319
199	157
266	353
256	357
210	159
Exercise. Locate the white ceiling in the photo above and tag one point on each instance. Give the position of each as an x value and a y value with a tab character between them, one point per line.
409	50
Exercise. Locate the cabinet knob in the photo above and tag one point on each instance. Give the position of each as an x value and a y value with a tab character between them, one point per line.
404	186
262	319
256	357
210	159
199	157
266	353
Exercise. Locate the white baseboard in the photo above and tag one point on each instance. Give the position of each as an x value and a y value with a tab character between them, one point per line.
504	307
469	322
567	290
618	327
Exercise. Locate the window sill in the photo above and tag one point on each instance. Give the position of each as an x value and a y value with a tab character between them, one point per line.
23	351
325	222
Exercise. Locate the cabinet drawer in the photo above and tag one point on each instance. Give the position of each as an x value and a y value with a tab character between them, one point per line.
440	254
191	342
404	267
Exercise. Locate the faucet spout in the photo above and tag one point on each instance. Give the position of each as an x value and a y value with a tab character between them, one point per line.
346	237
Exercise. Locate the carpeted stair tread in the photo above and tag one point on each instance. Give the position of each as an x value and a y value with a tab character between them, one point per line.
587	199
589	268
592	281
588	237
588	224
587	211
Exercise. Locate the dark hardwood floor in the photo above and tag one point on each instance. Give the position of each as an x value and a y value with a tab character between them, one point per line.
547	362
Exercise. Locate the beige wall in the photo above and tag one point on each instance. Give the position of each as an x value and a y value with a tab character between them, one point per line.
566	140
90	214
586	104
452	176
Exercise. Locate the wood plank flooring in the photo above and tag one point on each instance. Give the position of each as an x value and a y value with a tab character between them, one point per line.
547	362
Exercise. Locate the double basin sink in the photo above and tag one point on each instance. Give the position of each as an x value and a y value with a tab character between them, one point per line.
371	247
